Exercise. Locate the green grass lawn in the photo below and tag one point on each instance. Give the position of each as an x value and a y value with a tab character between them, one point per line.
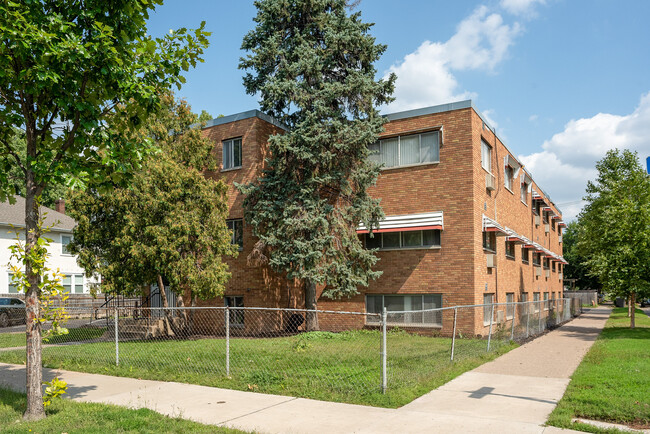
72	417
10	340
343	367
612	383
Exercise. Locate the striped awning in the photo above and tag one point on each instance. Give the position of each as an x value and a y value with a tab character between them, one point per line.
514	236
556	217
404	223
490	225
561	223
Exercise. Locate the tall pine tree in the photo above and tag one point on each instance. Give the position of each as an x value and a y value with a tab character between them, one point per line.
312	64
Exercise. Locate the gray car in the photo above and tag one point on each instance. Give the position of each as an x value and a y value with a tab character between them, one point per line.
12	311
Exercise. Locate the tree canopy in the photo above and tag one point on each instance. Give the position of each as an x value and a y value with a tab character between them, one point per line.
312	64
576	268
168	225
67	69
614	226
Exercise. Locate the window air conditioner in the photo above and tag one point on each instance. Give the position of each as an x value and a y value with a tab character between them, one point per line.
537	220
560	276
490	182
559	239
538	271
491	260
547	228
548	273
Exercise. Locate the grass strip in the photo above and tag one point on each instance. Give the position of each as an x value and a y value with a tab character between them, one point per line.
10	340
73	417
612	384
341	367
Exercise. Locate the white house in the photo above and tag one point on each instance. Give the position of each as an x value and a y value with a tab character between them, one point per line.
12	219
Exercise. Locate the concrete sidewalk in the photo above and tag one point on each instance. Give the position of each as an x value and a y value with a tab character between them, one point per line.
514	393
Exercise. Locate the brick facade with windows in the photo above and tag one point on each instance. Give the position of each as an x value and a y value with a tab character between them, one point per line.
446	179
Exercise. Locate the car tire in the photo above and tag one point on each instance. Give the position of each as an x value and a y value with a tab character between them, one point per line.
4	319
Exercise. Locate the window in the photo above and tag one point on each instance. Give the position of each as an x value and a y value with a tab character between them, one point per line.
536	301
488	299
537	208
231	154
65	240
486	156
545	263
236	226
553	266
419	305
407	150
509	174
490	241
524	299
404	240
510	307
546	301
524	192
73	283
525	255
536	259
11	284
545	217
510	249
236	316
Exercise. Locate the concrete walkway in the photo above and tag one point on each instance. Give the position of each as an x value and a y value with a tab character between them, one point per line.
514	393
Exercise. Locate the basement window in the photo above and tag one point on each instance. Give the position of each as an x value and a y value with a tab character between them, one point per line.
414	309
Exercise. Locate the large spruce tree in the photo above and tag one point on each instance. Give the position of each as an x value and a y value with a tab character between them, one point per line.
312	64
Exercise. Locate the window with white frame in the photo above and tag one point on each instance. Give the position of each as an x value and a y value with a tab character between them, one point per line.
486	156
510	306
536	301
407	150
488	299
73	283
509	174
524	299
236	227
236	316
404	240
232	153
65	240
417	308
524	192
546	301
12	284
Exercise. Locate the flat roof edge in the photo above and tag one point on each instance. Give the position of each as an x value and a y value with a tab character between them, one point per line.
430	110
244	115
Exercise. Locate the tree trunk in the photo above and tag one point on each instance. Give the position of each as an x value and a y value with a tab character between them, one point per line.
632	303
35	409
310	304
629	306
163	294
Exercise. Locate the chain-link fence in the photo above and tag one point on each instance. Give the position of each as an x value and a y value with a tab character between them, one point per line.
352	358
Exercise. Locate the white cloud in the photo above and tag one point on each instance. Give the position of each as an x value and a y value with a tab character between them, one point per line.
524	8
568	158
489	117
533	118
425	77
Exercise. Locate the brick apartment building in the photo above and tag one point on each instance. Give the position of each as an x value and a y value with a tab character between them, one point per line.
466	223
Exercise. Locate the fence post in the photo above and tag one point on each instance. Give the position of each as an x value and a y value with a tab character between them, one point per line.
527	319
490	333
117	342
227	311
453	337
514	316
384	380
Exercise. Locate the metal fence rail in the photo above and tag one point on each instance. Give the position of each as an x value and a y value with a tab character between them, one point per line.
269	350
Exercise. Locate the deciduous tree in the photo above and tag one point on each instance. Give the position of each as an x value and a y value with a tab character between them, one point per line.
168	225
614	229
312	64
65	68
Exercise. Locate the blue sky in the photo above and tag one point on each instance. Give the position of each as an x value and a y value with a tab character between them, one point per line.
562	81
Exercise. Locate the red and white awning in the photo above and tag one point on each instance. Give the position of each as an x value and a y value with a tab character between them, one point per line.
514	236
490	225
561	223
404	223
